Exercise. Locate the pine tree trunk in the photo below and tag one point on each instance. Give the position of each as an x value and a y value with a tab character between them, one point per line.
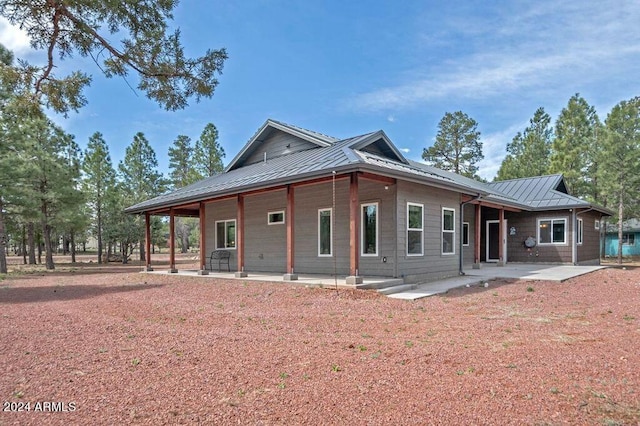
24	244
99	225
142	253
72	246
620	234
3	242
46	235
31	242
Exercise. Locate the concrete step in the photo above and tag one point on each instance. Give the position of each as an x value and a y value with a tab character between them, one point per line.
396	289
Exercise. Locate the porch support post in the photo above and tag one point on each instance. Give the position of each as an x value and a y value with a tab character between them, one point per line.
501	237
147	241
477	237
203	244
354	277
289	219
240	273
172	243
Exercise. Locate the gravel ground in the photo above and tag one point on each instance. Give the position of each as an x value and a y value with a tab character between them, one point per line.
93	345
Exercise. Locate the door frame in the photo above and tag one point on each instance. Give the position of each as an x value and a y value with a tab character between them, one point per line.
488	240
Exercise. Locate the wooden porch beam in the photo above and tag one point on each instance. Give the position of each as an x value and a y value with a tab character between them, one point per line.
501	238
203	243
377	178
147	241
172	243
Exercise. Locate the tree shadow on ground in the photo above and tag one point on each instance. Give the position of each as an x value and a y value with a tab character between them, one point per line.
55	293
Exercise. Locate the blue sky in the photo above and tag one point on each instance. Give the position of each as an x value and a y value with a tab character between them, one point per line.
347	68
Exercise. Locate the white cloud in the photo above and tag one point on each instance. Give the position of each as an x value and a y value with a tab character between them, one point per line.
548	46
494	148
405	150
13	38
391	119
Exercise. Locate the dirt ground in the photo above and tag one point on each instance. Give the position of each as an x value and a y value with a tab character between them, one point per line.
89	344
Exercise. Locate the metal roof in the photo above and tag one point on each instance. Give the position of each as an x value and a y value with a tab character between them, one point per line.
350	155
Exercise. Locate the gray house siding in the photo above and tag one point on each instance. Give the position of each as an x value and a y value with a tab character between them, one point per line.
265	246
383	263
470	218
275	145
589	250
432	264
216	211
308	200
526	225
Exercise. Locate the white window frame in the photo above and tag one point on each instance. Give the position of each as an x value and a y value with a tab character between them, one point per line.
552	220
580	232
465	233
628	234
597	225
235	226
448	231
272	222
320	254
421	229
362	233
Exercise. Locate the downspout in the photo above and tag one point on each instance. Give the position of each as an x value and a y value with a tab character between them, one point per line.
476	198
574	246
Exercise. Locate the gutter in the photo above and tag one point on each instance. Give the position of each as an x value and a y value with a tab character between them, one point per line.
476	198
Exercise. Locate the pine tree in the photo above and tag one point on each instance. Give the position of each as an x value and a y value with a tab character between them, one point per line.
572	152
529	152
457	147
88	29
181	162
208	153
99	180
620	161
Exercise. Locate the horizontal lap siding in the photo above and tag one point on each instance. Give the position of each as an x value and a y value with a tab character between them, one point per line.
526	225
432	264
589	250
265	246
470	217
215	211
375	192
275	145
308	199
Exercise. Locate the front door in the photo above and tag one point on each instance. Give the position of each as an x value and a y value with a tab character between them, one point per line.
493	241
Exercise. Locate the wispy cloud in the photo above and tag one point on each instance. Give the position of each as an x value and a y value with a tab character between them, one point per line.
13	38
494	149
546	45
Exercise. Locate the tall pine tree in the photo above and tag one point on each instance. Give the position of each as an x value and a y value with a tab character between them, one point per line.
208	153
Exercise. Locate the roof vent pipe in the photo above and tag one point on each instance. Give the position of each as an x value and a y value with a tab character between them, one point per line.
265	156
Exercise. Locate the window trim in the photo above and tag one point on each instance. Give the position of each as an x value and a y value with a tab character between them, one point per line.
579	232
274	212
465	234
552	220
597	225
362	233
330	210
421	229
629	234
225	221
448	231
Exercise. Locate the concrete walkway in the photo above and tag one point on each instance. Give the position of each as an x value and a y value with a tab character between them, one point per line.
488	272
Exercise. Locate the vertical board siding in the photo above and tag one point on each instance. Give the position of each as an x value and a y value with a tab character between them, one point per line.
433	264
275	145
265	246
215	211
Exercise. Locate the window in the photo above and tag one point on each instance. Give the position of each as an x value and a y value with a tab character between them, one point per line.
580	232
275	218
448	230
597	225
325	233
415	228
629	239
465	234
369	229
552	231
226	234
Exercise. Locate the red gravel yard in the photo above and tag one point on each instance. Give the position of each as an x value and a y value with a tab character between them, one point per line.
91	345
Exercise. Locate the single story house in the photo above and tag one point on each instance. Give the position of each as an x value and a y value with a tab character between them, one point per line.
630	238
297	201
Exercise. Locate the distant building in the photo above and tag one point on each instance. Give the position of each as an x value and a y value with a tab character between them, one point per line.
630	238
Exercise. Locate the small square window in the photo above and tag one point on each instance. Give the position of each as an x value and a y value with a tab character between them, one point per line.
275	218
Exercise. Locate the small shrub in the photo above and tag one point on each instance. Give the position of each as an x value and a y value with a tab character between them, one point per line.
530	289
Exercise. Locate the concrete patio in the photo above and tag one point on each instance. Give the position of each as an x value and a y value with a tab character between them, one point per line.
397	289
